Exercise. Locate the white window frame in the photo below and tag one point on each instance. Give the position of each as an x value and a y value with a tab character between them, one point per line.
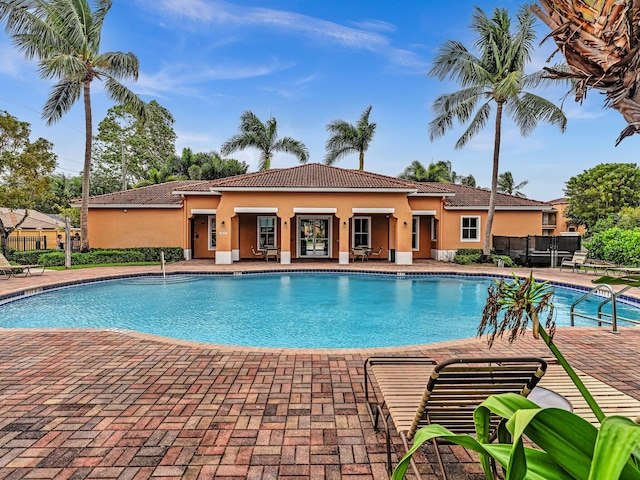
212	242
353	231
275	230
434	233
415	233
477	228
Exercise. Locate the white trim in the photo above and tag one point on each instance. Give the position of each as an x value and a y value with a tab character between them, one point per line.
203	211
285	258
255	210
540	208
223	258
373	210
314	210
314	189
191	192
404	258
353	230
416	233
275	230
343	258
299	236
187	253
434	231
416	213
133	205
433	194
443	255
235	255
212	221
478	229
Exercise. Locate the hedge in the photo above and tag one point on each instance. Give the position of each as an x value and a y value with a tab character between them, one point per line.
617	246
55	258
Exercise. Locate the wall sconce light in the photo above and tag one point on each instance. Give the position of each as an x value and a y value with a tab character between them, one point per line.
406	224
344	224
222	223
285	223
125	210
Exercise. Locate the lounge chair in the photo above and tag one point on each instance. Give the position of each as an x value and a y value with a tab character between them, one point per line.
271	252
360	252
258	253
376	254
19	270
578	259
454	388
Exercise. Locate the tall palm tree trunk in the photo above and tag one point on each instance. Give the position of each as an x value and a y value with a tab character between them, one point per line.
86	174
361	161
486	249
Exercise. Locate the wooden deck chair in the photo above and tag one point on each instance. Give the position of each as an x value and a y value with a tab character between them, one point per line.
377	253
575	262
20	270
258	253
271	252
359	252
454	388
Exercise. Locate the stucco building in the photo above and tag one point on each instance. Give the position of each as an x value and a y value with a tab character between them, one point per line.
311	211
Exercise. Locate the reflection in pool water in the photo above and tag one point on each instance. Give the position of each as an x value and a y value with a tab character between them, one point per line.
291	310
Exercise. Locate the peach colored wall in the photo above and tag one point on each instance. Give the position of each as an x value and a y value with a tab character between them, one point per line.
561	221
200	245
137	227
505	222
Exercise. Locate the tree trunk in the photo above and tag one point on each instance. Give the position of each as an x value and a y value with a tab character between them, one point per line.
361	161
486	249
86	174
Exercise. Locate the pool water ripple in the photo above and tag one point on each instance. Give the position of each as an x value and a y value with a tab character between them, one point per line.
288	310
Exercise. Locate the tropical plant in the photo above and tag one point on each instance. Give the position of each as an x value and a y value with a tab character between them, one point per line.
263	136
568	447
25	167
601	191
346	138
506	184
64	36
600	42
494	76
616	245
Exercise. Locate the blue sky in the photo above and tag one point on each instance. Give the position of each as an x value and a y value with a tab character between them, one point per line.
307	62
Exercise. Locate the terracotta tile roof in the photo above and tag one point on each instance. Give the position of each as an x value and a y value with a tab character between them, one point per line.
313	176
478	197
36	220
160	194
556	201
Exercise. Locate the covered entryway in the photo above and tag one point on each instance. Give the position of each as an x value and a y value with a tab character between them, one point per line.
314	236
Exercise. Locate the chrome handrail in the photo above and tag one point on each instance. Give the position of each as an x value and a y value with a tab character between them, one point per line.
612	299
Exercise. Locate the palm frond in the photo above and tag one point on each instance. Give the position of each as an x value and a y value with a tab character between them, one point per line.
529	109
458	106
477	124
295	147
119	93
62	97
120	65
69	67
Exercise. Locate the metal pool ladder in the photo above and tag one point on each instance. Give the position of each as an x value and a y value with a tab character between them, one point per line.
609	318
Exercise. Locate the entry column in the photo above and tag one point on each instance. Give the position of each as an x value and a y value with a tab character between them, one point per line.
343	239
285	239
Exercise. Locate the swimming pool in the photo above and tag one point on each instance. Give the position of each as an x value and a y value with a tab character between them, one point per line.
299	310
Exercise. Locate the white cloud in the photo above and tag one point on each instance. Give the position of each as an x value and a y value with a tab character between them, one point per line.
11	61
226	14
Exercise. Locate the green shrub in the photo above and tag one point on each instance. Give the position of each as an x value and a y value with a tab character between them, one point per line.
29	257
616	245
465	256
55	258
508	262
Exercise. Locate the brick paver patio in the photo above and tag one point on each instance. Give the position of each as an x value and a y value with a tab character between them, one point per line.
78	404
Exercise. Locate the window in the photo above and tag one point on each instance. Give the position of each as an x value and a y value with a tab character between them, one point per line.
470	229
415	233
361	231
212	232
267	232
434	225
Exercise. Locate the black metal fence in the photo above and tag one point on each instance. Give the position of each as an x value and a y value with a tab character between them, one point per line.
537	250
22	244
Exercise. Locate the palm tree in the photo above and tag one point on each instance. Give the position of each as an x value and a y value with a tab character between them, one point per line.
506	184
64	36
264	137
495	76
346	138
600	43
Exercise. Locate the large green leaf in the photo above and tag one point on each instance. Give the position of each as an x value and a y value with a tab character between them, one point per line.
618	437
633	280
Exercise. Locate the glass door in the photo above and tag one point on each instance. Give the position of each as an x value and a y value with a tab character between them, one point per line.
314	238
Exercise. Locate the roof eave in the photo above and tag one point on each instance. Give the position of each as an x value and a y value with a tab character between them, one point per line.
132	205
313	189
533	208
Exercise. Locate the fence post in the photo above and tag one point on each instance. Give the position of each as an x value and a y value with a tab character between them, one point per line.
67	243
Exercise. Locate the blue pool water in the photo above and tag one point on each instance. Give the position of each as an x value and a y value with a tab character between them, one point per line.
291	310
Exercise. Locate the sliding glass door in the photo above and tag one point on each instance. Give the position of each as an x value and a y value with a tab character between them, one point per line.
314	237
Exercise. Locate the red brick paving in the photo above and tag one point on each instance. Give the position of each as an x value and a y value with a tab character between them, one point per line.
95	404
